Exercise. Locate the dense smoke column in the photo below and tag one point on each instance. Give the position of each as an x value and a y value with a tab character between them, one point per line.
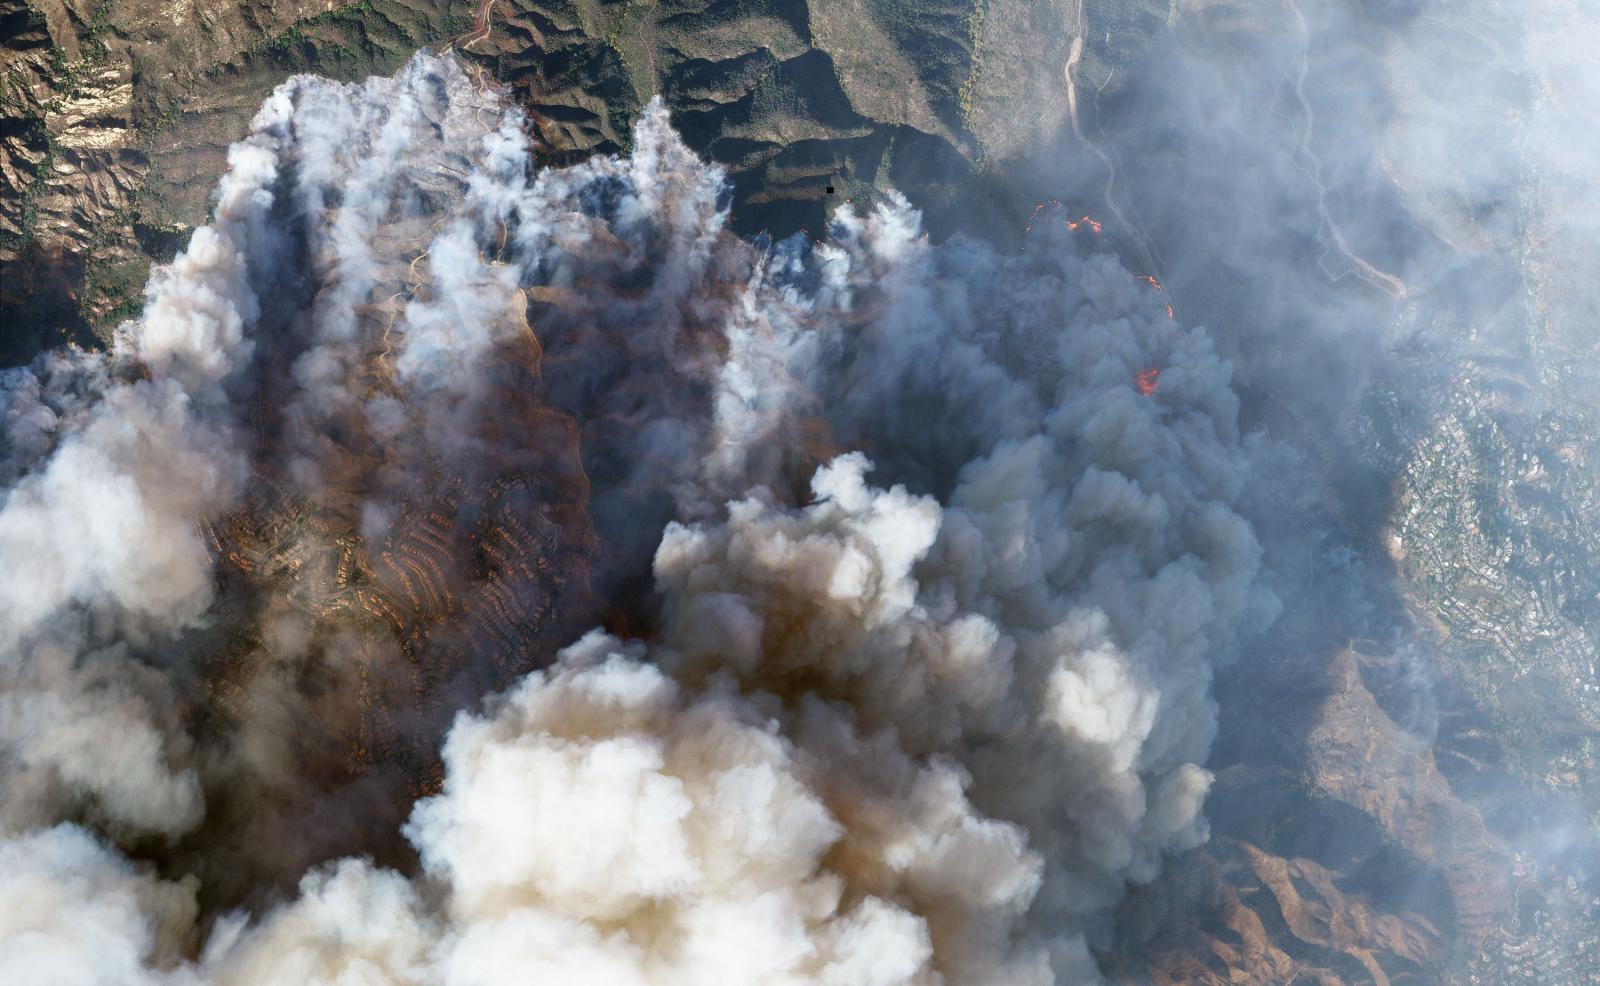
415	526
635	282
112	459
918	717
479	413
1088	569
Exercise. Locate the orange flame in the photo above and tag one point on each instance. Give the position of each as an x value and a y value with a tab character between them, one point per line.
1052	205
1150	279
1146	380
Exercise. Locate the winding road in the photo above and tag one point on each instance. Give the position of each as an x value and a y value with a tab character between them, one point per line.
480	28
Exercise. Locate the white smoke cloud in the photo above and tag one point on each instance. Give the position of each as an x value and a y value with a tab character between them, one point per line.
100	538
73	913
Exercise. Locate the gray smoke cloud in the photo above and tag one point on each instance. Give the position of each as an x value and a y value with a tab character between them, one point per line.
1384	209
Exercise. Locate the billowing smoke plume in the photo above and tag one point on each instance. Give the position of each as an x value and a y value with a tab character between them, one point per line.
73	911
947	553
114	460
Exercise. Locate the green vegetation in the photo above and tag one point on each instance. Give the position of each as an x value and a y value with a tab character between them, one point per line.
350	22
113	291
975	39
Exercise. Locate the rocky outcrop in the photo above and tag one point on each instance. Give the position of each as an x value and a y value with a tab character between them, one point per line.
1359	756
1244	915
1360	866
